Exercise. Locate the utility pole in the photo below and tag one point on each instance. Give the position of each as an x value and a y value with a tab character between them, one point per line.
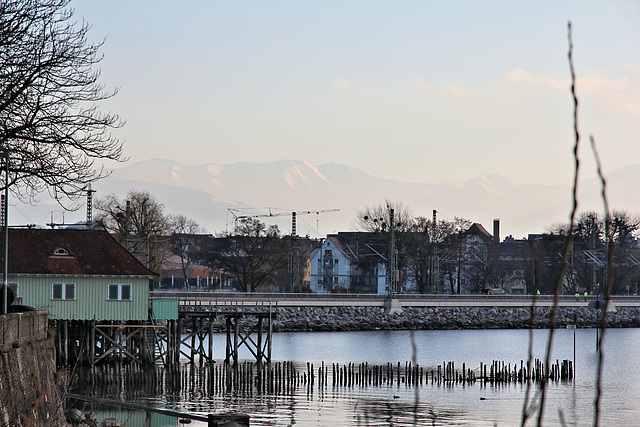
5	227
432	255
295	268
391	271
127	226
90	206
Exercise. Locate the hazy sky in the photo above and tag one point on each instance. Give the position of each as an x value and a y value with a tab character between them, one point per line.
420	91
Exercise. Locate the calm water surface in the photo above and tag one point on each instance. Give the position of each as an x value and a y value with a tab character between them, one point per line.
430	404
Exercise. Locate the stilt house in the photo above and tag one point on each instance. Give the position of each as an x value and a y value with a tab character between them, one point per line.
77	275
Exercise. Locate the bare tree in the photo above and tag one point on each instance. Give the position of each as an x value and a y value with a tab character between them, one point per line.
376	218
420	247
50	124
138	222
624	227
587	260
255	254
186	240
453	254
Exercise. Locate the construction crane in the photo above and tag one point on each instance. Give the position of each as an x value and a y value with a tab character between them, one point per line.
293	214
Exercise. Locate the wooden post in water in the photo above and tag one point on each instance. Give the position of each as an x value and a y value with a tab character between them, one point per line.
192	352
259	352
236	335
210	340
227	356
178	339
270	326
93	343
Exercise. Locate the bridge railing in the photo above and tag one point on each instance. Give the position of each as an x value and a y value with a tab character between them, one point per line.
261	296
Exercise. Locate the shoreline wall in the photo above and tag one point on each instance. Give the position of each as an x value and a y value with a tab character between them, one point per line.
28	392
422	318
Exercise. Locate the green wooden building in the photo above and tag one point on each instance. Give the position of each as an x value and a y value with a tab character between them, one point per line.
77	274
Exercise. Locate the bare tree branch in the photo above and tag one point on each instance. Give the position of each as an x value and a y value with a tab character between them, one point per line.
50	124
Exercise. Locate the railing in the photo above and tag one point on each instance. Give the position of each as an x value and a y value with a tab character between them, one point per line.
160	295
280	296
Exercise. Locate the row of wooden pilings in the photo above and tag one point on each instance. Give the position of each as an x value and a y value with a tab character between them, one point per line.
363	374
285	377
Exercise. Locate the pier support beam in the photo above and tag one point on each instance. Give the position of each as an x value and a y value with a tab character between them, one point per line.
240	327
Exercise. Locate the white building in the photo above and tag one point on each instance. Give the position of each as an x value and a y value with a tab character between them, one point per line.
348	262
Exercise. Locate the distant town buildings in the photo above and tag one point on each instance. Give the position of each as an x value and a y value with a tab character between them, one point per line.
470	261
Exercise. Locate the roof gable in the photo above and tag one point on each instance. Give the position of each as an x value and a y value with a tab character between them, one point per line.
358	244
477	229
338	244
70	252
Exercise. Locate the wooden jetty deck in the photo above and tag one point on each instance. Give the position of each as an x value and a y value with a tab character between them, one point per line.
186	335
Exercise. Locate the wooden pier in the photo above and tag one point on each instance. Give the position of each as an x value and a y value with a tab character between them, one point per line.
90	342
186	336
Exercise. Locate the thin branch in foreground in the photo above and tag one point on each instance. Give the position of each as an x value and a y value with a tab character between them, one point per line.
528	406
609	282
570	234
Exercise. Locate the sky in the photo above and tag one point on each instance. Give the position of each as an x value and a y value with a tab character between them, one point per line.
415	91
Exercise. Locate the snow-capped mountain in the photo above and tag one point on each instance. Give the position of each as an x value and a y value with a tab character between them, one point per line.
206	193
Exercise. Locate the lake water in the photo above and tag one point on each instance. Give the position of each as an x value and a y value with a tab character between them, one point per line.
428	404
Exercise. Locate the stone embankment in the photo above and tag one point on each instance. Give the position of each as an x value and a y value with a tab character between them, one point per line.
372	318
28	390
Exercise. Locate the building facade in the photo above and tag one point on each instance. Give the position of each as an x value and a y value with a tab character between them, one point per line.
348	262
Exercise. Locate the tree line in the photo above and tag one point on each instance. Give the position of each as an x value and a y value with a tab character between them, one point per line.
433	257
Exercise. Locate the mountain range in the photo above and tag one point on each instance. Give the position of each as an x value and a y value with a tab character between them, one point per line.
214	193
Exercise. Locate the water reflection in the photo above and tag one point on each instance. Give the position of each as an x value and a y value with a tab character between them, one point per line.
399	413
283	393
283	396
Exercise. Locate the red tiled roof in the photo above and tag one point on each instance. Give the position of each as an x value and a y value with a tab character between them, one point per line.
90	252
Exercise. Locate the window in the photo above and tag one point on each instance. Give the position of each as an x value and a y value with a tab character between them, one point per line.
119	292
61	252
335	261
63	291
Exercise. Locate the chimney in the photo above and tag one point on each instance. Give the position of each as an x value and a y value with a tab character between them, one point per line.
496	230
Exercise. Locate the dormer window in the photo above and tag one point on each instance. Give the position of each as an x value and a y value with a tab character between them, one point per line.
61	252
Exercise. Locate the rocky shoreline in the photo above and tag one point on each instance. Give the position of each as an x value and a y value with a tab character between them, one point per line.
313	319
